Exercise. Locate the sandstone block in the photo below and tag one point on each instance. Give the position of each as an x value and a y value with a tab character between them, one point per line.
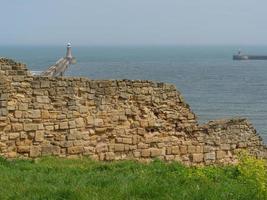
23	149
90	120
30	127
35	151
23	106
42	99
100	130
60	137
175	150
209	156
118	147
142	146
18	114
2	144
137	154
127	140
72	124
75	150
45	114
109	156
50	150
155	152
183	150
98	122
66	144
12	154
45	84
198	157
145	153
13	136
79	122
101	147
199	149
39	136
71	136
191	149
35	114
17	127
220	154
63	125
225	147
49	128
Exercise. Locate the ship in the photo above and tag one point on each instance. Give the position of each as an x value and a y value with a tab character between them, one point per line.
241	56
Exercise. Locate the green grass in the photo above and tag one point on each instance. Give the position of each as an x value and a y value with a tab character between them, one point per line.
55	178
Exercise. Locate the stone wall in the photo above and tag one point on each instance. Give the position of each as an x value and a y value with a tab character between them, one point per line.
111	120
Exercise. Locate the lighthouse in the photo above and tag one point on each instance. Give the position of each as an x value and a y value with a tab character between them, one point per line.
69	54
61	65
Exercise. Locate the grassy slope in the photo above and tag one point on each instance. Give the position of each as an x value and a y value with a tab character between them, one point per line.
54	178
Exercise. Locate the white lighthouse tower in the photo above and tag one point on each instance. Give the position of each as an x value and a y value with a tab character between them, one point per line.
61	65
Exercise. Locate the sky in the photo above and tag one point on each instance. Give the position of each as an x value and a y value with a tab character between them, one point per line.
133	22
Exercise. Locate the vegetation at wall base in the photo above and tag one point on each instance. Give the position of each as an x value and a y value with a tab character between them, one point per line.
58	178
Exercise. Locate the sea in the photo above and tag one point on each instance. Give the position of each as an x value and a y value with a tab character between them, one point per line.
212	83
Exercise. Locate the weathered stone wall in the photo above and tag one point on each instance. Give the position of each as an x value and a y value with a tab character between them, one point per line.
110	120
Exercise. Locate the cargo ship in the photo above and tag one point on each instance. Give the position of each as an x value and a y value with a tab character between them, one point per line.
241	56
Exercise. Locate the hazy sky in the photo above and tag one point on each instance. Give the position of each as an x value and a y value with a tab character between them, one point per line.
134	22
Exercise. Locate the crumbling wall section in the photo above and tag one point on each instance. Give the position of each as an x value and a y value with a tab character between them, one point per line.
111	120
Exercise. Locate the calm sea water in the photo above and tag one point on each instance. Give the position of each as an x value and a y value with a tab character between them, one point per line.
212	83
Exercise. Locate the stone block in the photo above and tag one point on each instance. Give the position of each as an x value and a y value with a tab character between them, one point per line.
101	147
79	122
39	136
75	150
183	149
142	146
98	122
90	120
100	130
225	146
45	84
49	128
137	154
220	154
50	150
45	114
118	147
145	153
72	124
23	149
23	106
18	114
209	156
2	144
17	127
66	144
42	99
175	150
198	157
63	125
13	136
127	140
155	152
12	154
33	114
109	156
191	149
30	127
199	149
35	151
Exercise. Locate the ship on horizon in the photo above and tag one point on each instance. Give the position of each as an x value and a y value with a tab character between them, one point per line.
241	56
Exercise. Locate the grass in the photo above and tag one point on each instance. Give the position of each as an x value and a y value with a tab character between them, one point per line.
55	178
